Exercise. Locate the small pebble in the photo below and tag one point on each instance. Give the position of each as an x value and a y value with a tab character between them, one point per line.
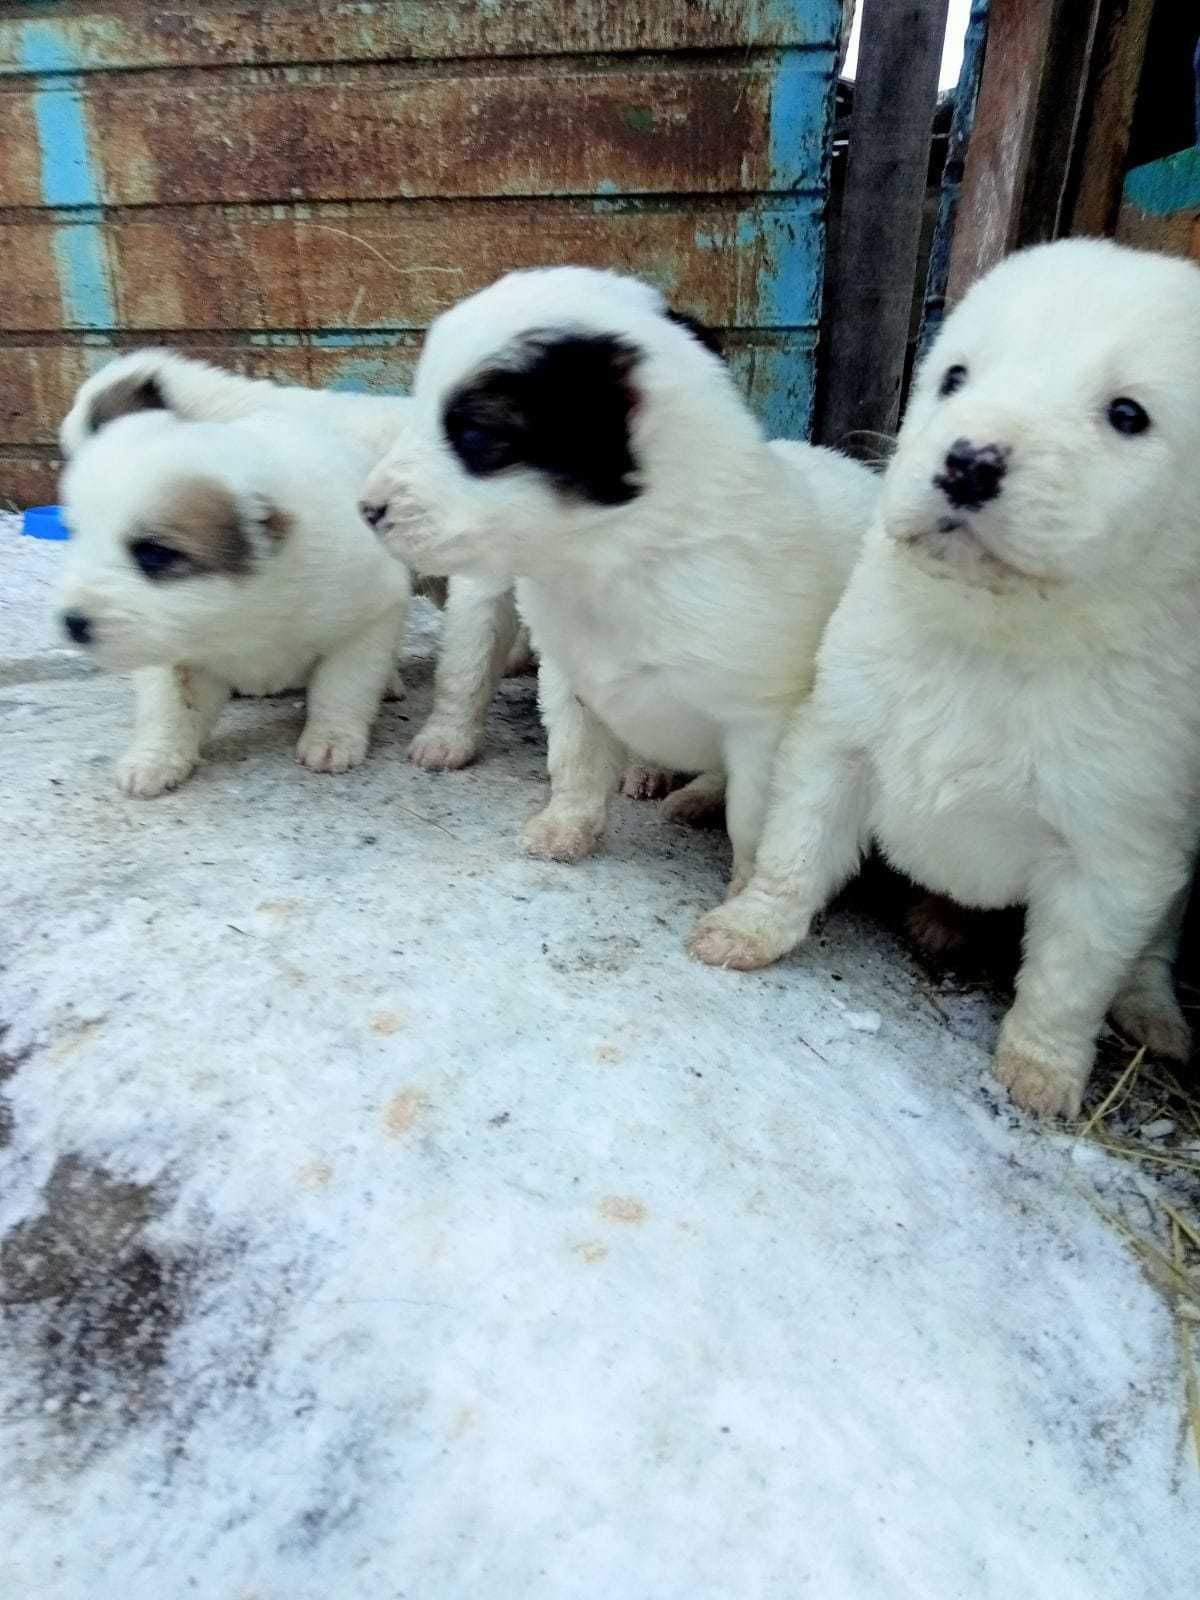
1158	1129
863	1021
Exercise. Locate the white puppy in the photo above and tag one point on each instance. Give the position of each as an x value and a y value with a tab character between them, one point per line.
674	568
208	557
1008	697
481	639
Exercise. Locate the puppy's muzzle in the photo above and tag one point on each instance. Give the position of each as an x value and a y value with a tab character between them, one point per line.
371	513
974	473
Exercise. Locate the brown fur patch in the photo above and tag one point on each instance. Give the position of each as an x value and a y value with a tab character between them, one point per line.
124	397
201	520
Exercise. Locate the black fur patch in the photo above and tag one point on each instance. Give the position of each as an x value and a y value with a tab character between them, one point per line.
122	398
698	330
559	402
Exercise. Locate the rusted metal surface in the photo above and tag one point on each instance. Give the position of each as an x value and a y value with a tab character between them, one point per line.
139	34
395	266
297	189
375	134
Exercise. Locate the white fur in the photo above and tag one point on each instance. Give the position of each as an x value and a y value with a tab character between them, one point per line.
319	604
1011	707
683	624
480	619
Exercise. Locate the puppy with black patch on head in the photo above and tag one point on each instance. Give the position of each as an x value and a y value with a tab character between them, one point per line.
675	569
208	557
482	638
1008	696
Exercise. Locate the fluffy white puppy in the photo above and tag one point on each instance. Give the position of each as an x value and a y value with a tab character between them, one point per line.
1008	696
674	568
481	638
208	557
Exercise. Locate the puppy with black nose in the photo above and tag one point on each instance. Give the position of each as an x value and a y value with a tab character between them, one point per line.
1008	696
212	556
675	569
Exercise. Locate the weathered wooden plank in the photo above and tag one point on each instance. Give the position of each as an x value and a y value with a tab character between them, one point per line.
364	134
1051	135
37	382
1103	150
139	34
399	265
895	97
1002	141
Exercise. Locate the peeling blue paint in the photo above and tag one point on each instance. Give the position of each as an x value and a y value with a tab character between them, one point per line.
43	48
68	178
1161	187
84	279
799	112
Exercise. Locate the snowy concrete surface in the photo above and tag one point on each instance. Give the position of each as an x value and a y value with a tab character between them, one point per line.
383	1214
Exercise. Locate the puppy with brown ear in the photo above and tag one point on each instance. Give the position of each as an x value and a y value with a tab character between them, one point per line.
208	557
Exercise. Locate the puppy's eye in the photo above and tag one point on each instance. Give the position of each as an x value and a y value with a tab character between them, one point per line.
1126	416
952	380
476	442
480	448
159	560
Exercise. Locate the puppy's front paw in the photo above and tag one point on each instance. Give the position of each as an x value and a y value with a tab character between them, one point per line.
443	747
741	934
555	835
645	783
1047	1088
143	775
327	750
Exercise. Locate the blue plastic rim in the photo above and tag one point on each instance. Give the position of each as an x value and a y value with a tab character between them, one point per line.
45	522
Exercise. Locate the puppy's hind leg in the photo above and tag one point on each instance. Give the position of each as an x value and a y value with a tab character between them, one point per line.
344	694
480	632
699	803
176	710
1146	1009
585	767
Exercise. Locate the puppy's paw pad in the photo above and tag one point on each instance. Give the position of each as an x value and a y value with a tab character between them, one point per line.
719	941
555	836
1037	1085
645	783
145	777
694	806
322	751
1159	1026
443	749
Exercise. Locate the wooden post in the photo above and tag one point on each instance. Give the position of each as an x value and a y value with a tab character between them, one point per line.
1051	133
894	100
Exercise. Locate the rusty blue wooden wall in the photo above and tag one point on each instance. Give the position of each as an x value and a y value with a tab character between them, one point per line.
296	189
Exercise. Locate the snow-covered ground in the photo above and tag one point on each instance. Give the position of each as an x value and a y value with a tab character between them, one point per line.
384	1214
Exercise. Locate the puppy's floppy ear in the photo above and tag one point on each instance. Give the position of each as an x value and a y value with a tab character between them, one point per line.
122	397
559	401
698	330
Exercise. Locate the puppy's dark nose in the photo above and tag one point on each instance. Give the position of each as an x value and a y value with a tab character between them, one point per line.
973	473
78	626
372	515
